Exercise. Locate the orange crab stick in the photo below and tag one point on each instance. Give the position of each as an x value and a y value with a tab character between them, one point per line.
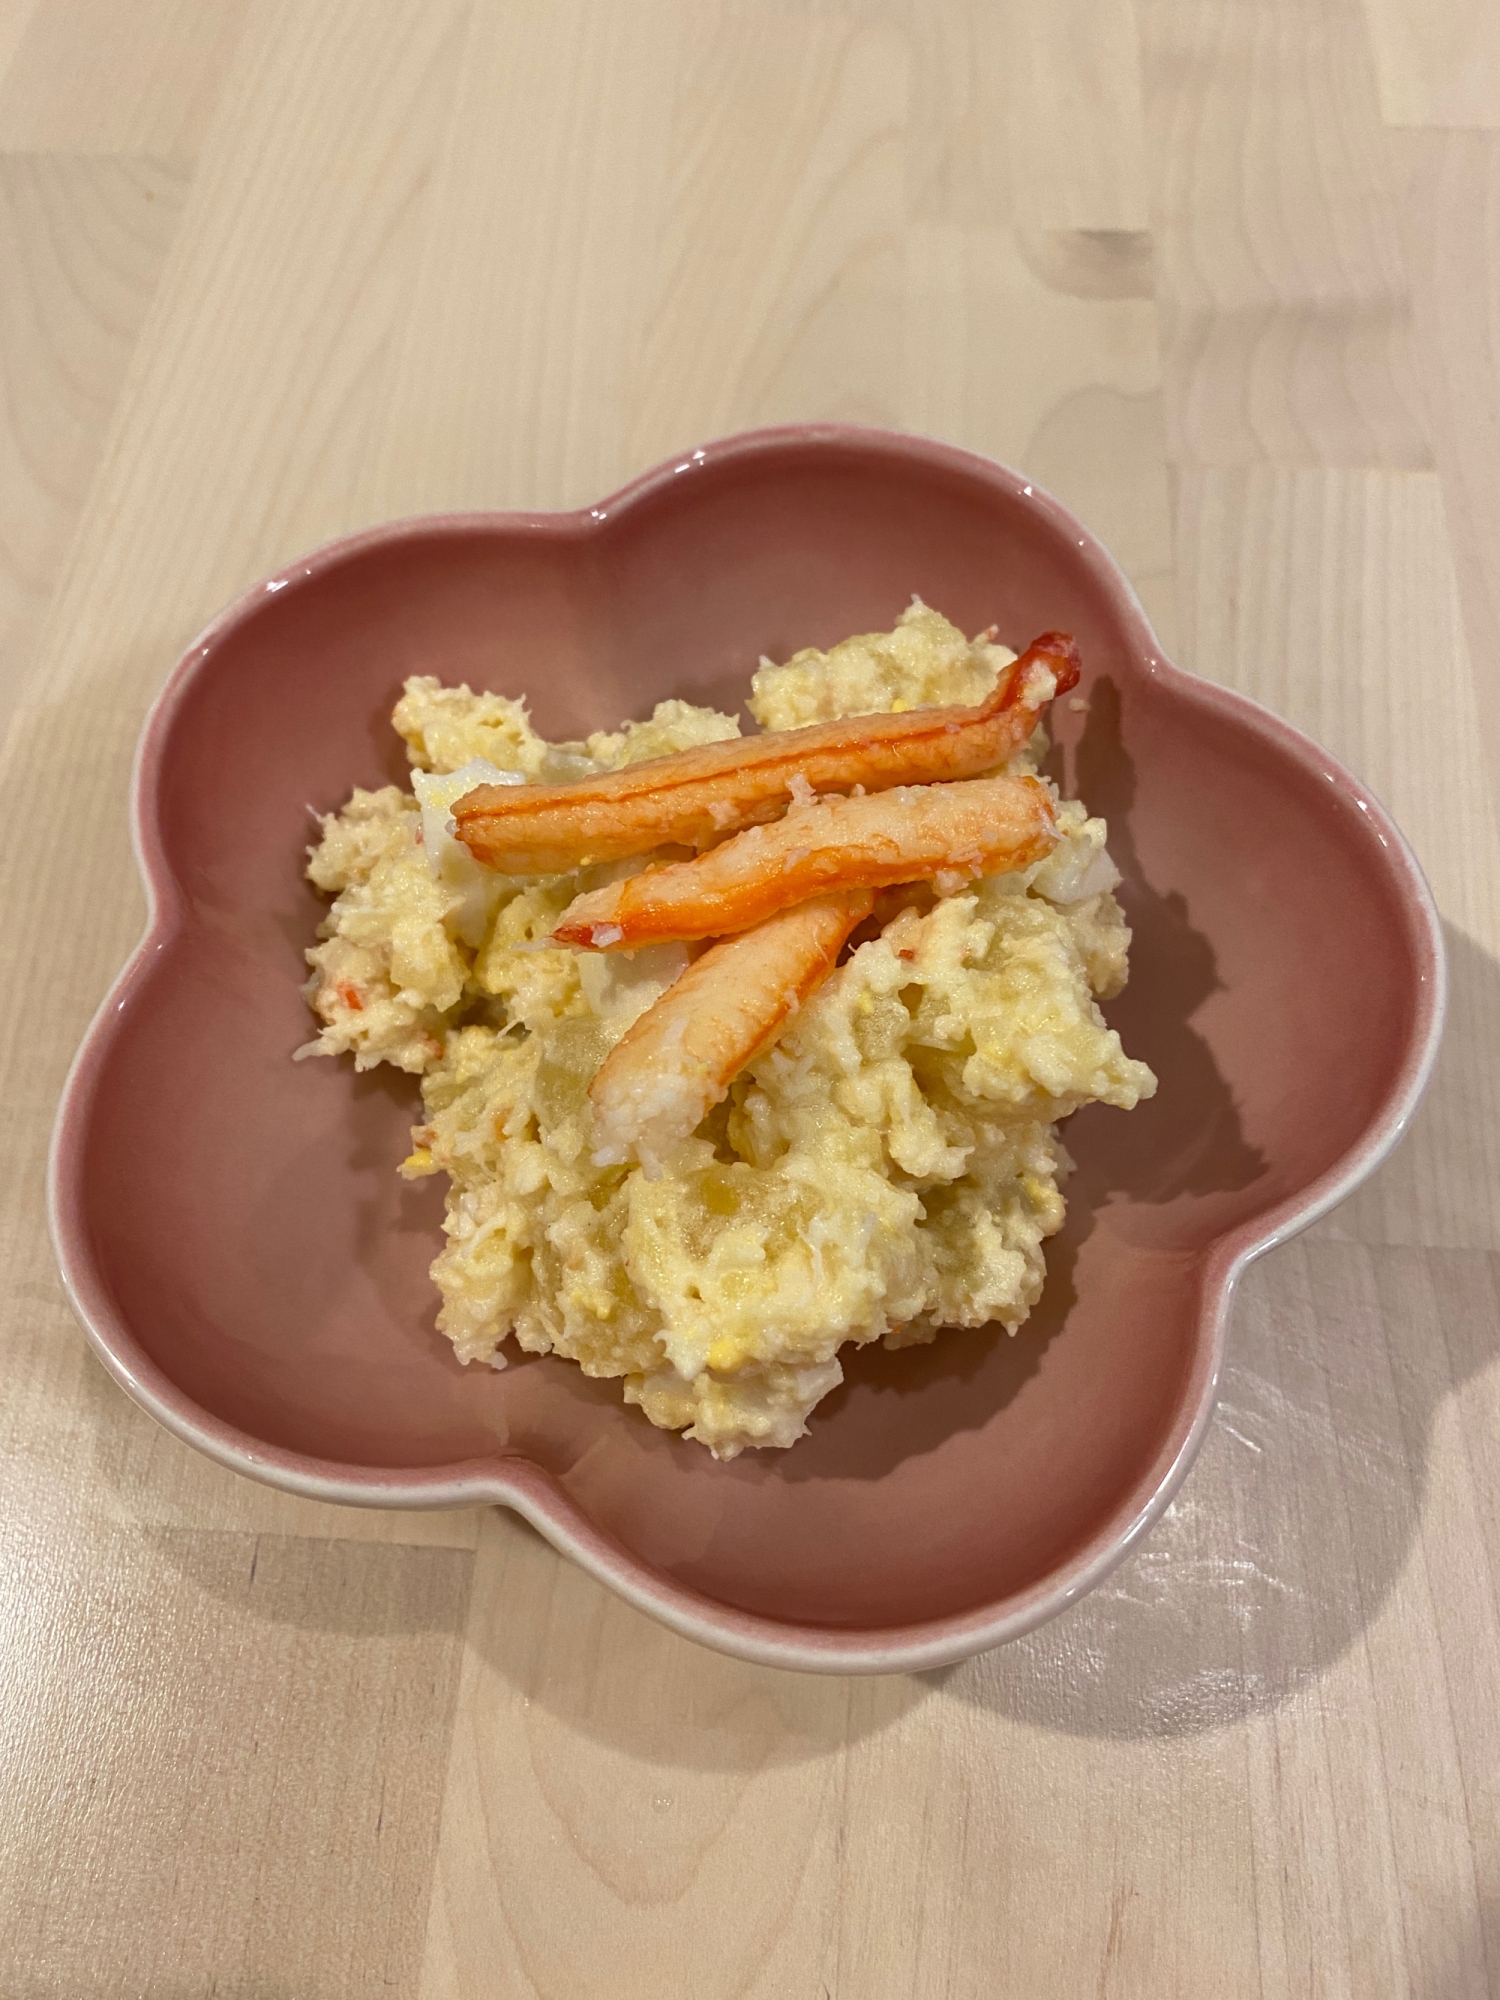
984	826
698	796
673	1065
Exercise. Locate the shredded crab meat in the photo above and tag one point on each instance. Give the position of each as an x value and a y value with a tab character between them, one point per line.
677	1061
696	797
947	833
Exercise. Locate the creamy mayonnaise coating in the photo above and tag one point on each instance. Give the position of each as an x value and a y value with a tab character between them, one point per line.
890	1166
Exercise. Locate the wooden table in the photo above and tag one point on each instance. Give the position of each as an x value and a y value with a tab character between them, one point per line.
1225	274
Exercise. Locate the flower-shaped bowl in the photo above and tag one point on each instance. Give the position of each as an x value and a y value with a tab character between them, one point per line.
249	1267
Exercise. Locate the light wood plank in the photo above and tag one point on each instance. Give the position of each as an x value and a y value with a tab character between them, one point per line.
597	1840
204	421
222	1755
539	220
1331	597
801	244
805	316
1259	1697
1286	315
15	18
1077	406
1438	61
98	76
1021	110
1008	229
1452	233
965	1821
82	241
1073	114
208	420
1435	1654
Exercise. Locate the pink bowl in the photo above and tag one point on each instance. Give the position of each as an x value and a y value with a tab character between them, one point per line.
248	1266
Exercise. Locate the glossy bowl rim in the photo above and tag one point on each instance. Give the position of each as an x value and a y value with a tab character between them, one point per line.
514	1481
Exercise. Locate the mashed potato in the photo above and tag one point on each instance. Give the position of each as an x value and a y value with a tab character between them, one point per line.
889	1167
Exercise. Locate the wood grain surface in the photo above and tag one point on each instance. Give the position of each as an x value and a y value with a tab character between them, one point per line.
1225	274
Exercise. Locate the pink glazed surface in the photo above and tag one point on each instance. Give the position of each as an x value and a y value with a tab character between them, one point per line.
245	1260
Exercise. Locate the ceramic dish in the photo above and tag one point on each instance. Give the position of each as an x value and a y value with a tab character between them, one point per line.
249	1267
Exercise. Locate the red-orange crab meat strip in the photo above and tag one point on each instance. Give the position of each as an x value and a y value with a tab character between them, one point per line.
698	796
673	1065
983	826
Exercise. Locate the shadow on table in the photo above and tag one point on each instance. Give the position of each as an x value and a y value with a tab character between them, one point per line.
1300	1515
610	1673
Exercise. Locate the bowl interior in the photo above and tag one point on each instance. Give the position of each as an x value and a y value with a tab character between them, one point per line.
244	1215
